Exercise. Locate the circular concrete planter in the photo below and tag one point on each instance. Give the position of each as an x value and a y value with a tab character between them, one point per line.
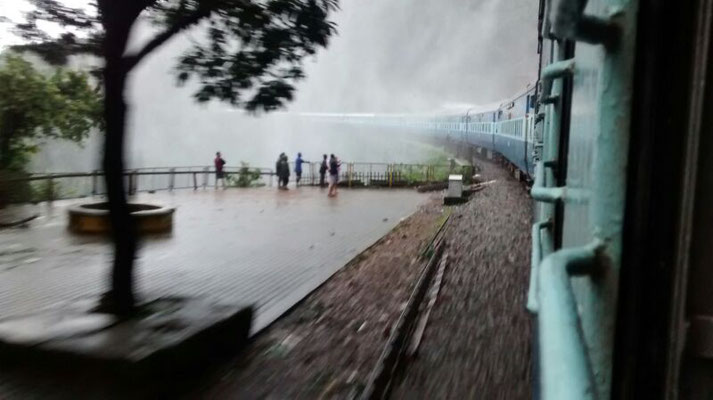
94	218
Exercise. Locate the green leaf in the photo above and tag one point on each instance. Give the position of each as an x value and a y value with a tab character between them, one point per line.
34	107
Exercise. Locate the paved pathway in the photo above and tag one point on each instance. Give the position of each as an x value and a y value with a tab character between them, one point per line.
256	246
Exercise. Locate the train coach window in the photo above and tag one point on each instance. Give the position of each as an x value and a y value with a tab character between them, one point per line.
530	103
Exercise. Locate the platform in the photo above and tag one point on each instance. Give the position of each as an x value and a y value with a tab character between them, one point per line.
261	246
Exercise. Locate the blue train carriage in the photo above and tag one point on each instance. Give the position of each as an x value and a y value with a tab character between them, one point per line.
513	135
481	126
480	130
446	126
471	126
621	273
505	128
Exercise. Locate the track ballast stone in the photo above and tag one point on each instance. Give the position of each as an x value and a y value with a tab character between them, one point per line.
478	338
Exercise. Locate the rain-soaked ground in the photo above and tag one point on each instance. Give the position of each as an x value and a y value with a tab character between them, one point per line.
477	341
261	246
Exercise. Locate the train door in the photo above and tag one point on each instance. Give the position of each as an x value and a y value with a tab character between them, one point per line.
580	186
664	342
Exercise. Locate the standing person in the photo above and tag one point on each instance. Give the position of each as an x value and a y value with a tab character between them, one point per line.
298	168
283	168
219	173
323	168
333	175
278	170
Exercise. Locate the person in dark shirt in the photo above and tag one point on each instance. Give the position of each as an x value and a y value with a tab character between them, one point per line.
219	162
323	168
333	175
282	170
285	171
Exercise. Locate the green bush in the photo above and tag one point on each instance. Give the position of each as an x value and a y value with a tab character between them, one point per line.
245	177
13	190
46	190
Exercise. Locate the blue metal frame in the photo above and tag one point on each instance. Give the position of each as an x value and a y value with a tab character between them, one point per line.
573	291
564	365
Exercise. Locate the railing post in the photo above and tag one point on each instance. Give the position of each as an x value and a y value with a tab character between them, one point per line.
130	184
391	174
205	177
50	190
350	168
195	181
94	182
171	179
311	173
135	177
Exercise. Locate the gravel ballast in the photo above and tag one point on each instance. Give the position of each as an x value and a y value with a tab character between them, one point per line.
477	341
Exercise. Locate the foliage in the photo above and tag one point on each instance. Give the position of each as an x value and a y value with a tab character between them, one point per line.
435	170
34	107
250	57
246	177
468	172
48	190
412	174
251	54
56	51
14	188
20	190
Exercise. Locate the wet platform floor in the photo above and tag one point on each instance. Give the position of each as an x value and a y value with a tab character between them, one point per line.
260	246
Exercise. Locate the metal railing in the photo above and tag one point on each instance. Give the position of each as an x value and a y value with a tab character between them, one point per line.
357	174
38	187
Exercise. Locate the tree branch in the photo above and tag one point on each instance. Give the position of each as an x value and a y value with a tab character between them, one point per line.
189	20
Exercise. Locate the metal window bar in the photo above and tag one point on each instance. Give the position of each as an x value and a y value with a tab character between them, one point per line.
568	368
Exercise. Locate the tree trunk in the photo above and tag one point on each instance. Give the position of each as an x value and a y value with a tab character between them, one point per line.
117	21
120	299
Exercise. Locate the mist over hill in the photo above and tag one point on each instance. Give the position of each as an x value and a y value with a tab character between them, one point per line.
389	56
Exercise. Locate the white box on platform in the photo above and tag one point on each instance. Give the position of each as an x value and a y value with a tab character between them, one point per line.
455	185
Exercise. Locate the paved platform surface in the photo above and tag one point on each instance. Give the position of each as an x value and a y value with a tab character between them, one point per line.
263	247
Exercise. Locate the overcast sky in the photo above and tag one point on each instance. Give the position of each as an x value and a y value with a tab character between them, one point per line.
397	55
13	10
390	56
